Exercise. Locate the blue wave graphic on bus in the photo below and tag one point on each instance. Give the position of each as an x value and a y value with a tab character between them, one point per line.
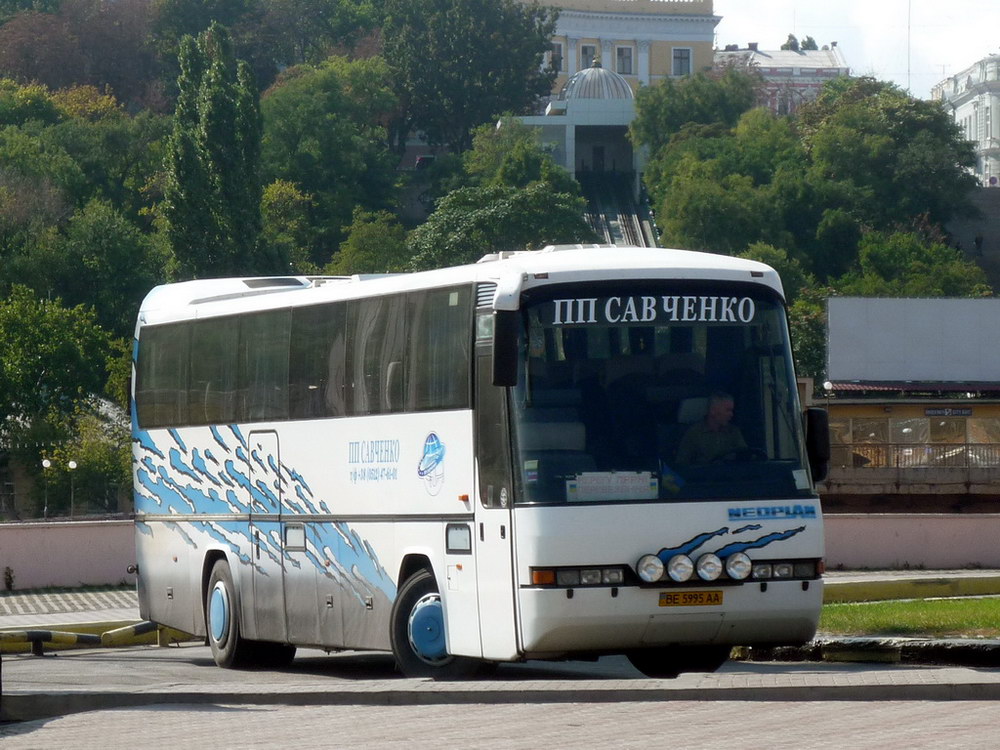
187	478
689	547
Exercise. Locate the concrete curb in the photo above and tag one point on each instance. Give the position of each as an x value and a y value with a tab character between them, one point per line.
109	634
47	705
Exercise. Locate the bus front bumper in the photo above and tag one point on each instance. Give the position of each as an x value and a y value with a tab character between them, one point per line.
557	621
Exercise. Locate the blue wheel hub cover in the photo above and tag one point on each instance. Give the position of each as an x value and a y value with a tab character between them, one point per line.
427	629
218	613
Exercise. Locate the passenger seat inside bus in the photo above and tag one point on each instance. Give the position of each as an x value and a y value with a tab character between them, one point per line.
669	436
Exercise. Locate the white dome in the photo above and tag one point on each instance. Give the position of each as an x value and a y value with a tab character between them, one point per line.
596	83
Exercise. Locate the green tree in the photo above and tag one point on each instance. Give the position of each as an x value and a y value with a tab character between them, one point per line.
120	155
212	192
897	157
376	243
807	326
704	99
905	264
792	43
98	440
322	133
20	104
511	155
472	222
794	277
458	63
287	234
309	31
101	259
54	359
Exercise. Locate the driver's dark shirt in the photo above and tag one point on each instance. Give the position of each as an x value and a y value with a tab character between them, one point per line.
701	445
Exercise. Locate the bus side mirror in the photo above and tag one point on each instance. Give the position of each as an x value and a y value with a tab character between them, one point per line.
505	330
818	442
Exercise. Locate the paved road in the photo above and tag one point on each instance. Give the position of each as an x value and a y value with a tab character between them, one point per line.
355	700
687	724
151	697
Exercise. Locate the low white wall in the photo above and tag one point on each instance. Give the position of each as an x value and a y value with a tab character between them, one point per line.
97	552
933	541
93	553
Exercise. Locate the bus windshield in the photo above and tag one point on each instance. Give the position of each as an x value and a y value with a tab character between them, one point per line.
658	394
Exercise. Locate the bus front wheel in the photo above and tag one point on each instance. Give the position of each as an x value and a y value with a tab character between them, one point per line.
222	620
418	632
670	661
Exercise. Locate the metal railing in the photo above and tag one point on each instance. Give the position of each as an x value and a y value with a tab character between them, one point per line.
916	456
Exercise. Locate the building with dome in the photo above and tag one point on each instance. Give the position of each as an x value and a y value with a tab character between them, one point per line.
644	41
585	127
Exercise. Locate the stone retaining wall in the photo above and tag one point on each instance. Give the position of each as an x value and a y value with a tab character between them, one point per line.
96	553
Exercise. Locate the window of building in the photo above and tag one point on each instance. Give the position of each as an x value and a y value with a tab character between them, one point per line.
623	61
556	55
682	62
588	53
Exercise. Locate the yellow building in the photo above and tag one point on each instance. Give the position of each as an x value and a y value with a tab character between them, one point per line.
643	40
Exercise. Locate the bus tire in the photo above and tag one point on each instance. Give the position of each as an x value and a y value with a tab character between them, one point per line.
222	619
670	661
417	633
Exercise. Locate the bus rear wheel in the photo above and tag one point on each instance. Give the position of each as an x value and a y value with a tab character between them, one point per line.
229	648
418	633
670	661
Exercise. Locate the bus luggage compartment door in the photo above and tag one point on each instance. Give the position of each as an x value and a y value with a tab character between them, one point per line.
267	548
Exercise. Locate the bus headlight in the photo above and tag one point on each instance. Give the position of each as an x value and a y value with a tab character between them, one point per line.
709	567
738	566
649	568
680	568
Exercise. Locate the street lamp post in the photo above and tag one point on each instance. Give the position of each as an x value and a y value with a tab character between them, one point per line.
72	489
46	464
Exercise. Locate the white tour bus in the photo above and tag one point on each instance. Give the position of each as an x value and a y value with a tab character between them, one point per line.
479	464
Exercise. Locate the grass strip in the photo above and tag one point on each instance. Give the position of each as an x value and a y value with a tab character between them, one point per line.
935	618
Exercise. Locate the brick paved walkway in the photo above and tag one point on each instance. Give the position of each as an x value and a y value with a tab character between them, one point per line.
774	725
46	602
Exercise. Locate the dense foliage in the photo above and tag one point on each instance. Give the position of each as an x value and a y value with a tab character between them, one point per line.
847	197
148	141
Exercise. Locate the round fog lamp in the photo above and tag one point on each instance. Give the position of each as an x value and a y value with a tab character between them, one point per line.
709	567
738	566
680	568
649	568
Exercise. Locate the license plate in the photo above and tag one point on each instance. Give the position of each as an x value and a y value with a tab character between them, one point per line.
690	598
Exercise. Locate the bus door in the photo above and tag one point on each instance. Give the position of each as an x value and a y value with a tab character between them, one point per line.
493	530
267	548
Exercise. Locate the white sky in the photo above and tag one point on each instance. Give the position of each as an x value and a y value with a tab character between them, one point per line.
944	37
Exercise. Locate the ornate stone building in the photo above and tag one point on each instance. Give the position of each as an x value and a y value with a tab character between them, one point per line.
791	77
972	97
644	41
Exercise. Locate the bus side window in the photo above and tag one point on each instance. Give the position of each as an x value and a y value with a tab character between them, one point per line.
212	390
162	378
264	365
439	347
316	360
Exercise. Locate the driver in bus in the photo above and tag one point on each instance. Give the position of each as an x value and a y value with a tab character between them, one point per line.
714	437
